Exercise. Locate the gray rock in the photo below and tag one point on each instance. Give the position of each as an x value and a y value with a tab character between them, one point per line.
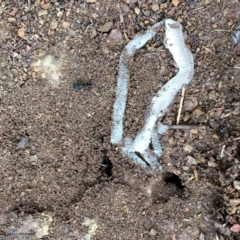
106	27
23	142
24	18
116	34
42	12
153	232
190	104
11	19
125	8
187	148
191	160
71	32
53	24
147	13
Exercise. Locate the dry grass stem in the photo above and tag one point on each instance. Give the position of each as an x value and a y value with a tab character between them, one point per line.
181	104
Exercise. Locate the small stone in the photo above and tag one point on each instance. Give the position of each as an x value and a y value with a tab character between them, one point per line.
170	140
131	1
206	38
53	24
65	24
200	137
163	53
186	117
21	32
93	33
125	8
212	164
198	112
164	5
236	184
153	232
216	136
190	104
59	14
185	168
187	148
105	50
95	15
91	1
116	34
180	20
147	13
181	140
71	32
234	201
42	12
191	160
23	143
106	27
13	216
46	6
214	25
194	131
137	10
33	158
155	7
11	19
24	18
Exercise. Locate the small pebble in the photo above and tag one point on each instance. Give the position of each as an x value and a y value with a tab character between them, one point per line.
185	168
206	38
23	142
71	32
155	7
65	24
11	19
24	18
33	158
53	24
153	232
42	12
236	184
214	26
95	15
190	104
125	8
106	27
170	140
212	164
46	6
194	131
200	137
181	140
187	148
116	34
137	10
163	54
59	14
191	160
147	13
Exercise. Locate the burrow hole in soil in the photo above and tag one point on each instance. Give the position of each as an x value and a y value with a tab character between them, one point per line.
170	177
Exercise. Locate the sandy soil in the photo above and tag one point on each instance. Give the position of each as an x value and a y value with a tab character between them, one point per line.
59	66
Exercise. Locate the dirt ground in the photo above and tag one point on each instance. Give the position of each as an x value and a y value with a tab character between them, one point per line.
60	176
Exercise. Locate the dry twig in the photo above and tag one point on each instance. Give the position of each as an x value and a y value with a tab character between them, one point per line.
186	127
181	103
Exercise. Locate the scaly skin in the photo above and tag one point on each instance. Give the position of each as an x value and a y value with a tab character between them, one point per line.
174	41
